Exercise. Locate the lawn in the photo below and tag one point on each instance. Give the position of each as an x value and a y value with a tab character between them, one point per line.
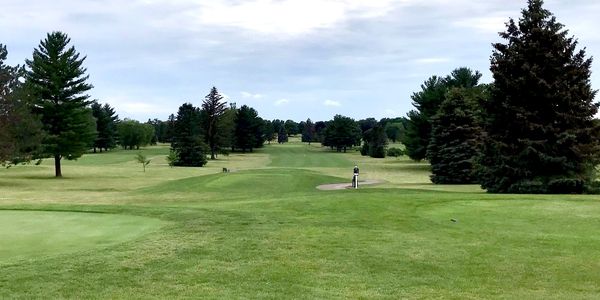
109	230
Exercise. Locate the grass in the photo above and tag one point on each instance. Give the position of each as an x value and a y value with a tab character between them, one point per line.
265	231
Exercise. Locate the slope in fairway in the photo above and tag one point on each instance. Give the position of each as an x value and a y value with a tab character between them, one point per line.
39	234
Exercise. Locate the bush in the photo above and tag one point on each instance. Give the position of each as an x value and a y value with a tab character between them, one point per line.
395	152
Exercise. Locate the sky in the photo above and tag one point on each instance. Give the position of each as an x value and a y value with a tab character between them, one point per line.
288	59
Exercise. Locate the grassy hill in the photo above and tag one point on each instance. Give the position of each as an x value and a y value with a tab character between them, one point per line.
109	230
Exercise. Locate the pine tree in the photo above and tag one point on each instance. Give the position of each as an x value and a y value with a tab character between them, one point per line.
247	128
20	131
57	81
540	133
213	107
427	102
308	131
106	126
188	142
455	136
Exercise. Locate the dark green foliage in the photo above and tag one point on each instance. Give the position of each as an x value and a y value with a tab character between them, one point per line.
269	131
308	131
320	131
367	124
540	132
133	134
188	142
427	102
291	127
278	125
282	136
20	131
395	152
395	131
161	131
455	136
170	133
375	142
214	108
106	126
57	82
249	133
341	133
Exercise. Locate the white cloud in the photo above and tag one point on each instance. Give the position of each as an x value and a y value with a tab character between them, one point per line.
432	60
282	102
487	24
291	17
332	103
252	96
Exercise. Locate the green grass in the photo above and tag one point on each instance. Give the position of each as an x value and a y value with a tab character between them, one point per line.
36	234
265	231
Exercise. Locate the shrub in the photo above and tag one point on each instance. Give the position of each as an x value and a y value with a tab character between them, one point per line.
395	152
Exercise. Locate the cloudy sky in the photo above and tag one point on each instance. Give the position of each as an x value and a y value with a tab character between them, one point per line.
289	59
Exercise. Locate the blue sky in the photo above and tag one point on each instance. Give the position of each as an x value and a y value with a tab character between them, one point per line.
289	59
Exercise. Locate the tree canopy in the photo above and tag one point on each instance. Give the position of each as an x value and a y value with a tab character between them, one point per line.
540	131
20	131
214	108
57	82
427	103
188	142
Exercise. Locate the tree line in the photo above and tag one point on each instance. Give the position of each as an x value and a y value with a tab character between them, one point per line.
532	130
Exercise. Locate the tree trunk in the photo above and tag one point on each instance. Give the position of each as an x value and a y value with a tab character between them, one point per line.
57	170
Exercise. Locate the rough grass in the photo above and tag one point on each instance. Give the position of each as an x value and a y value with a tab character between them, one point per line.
264	231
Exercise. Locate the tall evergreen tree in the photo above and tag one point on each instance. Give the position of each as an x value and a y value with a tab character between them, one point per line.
57	81
170	131
455	137
269	131
106	126
213	107
20	131
427	102
308	131
540	132
247	127
188	143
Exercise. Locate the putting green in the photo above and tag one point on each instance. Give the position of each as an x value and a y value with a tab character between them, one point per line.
40	234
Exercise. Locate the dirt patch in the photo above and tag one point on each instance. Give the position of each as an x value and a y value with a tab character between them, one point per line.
342	186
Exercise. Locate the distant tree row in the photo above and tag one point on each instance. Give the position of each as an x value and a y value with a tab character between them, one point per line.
531	131
214	128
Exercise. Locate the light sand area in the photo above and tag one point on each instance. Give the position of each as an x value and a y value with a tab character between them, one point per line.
348	185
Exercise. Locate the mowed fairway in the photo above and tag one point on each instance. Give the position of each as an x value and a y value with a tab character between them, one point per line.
265	231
